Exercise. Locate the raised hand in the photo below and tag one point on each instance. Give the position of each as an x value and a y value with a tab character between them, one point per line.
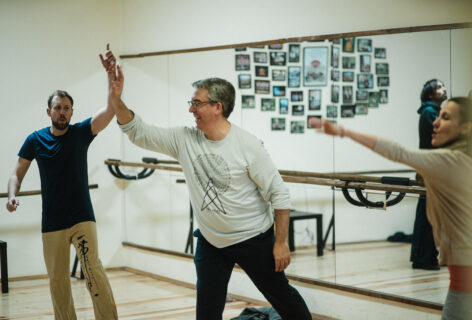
115	75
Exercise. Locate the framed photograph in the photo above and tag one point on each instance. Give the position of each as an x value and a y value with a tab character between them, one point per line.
297	126
283	105
294	77
248	102
278	58
331	111
334	75
262	71
364	45
365	81
293	53
315	66
279	74
349	62
278	91
277	124
262	86
243	62
277	46
362	95
348	76
361	109
347	94
260	57
240	49
348	44
314	99
298	110
383	99
381	68
366	62
335	57
267	104
380	53
308	121
244	81
336	41
373	99
258	47
334	94
383	81
296	96
348	111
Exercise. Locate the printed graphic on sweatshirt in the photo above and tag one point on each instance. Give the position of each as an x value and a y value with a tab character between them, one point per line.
212	173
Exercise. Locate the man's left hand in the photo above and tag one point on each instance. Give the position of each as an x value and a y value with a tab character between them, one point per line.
281	256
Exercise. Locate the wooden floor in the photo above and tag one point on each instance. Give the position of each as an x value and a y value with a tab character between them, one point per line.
136	296
381	266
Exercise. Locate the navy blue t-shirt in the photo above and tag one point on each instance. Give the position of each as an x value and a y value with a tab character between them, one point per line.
62	163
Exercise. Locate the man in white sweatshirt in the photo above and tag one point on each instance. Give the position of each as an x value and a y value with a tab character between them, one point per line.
233	186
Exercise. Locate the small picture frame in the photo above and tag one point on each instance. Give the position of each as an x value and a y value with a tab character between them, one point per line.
294	76
262	86
383	96
335	57
381	68
297	126
348	44
278	58
244	81
314	99
240	49
366	62
348	76
296	96
365	81
298	109
293	53
380	53
262	71
308	121
335	93
336	41
383	81
279	74
361	109
362	95
277	124
349	62
331	111
248	102
278	91
243	62
267	104
335	75
348	111
347	94
276	46
374	99
260	57
364	45
258	47
315	66
283	105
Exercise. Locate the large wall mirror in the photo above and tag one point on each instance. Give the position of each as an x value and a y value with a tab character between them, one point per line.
158	86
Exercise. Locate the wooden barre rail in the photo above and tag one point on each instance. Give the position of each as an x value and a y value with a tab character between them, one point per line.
35	192
349	181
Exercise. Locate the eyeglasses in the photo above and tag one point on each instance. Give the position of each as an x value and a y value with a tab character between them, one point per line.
197	103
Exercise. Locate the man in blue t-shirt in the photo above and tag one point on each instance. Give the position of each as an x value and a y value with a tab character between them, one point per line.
67	214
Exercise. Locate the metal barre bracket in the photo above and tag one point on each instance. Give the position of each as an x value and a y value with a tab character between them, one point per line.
146	172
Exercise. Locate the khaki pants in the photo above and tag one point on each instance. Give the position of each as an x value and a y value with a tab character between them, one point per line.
56	249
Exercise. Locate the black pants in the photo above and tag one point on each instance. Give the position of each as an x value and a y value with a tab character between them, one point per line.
423	250
254	256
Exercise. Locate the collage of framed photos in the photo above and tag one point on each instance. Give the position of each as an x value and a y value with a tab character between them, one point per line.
303	80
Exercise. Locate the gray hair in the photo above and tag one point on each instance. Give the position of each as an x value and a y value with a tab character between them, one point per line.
219	90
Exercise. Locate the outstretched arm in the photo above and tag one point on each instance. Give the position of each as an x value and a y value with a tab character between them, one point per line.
103	116
115	88
330	128
14	183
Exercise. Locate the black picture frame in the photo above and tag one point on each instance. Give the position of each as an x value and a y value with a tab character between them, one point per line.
348	76
335	75
383	81
294	73
335	90
361	109
261	71
314	99
279	74
297	126
278	91
380	53
365	62
348	111
362	95
365	81
262	86
383	96
374	98
334	57
277	124
331	111
348	93
283	105
243	62
308	117
244	81
248	101
294	52
298	109
260	57
349	62
364	45
278	58
381	68
349	44
296	96
267	104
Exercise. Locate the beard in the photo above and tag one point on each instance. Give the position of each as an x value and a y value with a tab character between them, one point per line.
60	126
